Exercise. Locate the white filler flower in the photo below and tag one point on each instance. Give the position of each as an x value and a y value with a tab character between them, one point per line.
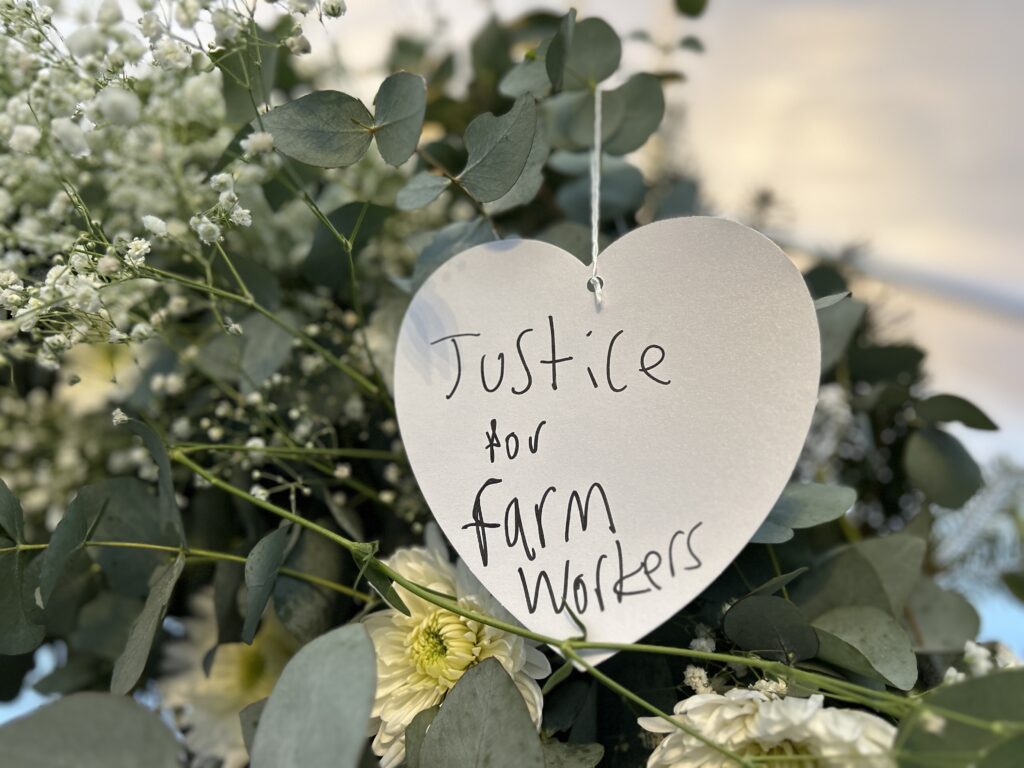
422	656
750	724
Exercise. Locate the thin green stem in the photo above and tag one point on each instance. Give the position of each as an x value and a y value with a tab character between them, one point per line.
289	451
198	553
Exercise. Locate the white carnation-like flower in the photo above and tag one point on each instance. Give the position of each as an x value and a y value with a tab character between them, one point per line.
206	707
420	657
751	723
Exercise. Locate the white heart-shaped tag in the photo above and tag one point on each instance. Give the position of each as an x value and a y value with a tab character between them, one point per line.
611	455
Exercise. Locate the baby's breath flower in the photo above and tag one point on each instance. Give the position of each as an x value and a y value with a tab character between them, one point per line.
155	225
696	678
208	232
108	265
119	417
241	216
170	54
333	8
138	248
71	136
24	138
298	44
258	143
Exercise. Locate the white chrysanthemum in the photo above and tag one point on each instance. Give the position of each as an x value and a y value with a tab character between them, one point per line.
207	706
750	723
420	657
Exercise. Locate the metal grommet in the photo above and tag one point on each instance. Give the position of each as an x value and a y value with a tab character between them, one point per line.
595	284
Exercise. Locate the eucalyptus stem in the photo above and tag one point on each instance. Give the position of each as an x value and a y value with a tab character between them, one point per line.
289	451
197	553
255	306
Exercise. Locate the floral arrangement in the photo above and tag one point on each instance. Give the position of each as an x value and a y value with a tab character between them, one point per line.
205	508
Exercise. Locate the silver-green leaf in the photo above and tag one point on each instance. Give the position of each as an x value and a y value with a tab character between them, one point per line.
422	189
327	129
498	149
317	713
400	104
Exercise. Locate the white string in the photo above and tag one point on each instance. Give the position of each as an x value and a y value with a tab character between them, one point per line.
595	283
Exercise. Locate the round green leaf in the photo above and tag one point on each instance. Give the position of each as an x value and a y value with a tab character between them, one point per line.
867	641
498	149
771	627
261	567
484	721
422	189
942	620
643	105
942	408
941	467
327	129
317	713
594	55
399	104
90	730
995	697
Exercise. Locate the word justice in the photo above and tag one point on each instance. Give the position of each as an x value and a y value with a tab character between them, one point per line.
611	369
593	579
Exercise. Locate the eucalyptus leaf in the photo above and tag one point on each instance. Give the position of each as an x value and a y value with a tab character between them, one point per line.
941	621
498	149
266	348
776	583
944	408
22	631
306	609
691	7
559	48
939	465
68	537
643	105
414	735
997	697
327	262
530	76
558	754
261	568
90	730
772	628
837	324
317	713
169	514
422	189
11	516
844	578
447	242
867	641
249	719
622	193
897	559
804	505
132	661
594	54
484	721
529	182
327	129
104	625
399	105
130	512
381	583
828	301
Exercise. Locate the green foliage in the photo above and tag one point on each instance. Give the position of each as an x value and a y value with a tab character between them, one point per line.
986	701
484	722
90	730
803	505
498	149
772	628
941	467
399	104
869	642
327	262
317	714
130	664
261	569
327	129
944	408
560	755
422	189
593	55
